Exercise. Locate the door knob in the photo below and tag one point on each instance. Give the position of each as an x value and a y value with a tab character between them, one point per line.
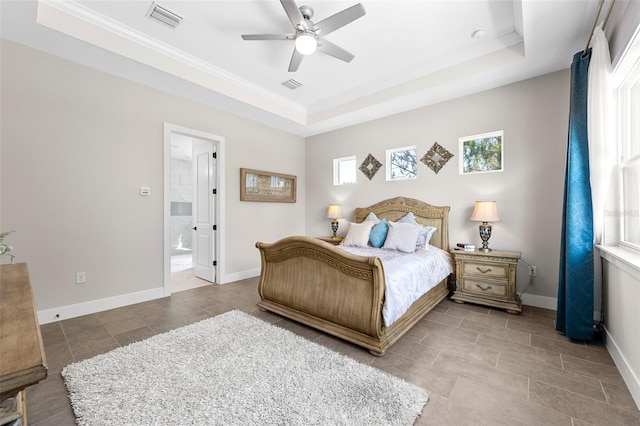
195	228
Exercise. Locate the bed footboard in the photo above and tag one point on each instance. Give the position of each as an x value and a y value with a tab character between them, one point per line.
315	283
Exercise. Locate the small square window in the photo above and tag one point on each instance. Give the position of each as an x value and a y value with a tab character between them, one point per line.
344	170
402	163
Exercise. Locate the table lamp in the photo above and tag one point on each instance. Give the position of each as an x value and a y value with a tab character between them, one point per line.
334	212
485	212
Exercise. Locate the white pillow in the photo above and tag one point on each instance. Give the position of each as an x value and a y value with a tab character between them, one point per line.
358	234
402	237
408	218
425	233
424	236
371	217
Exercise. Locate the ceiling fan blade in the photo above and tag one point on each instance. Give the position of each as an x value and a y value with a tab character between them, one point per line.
296	59
340	19
336	51
267	37
294	14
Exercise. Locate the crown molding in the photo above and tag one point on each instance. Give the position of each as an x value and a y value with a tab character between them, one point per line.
76	20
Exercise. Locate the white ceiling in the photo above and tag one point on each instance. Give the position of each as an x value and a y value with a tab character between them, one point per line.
407	53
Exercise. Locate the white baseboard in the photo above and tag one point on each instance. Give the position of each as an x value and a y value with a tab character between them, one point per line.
539	301
85	308
632	381
92	306
242	275
548	303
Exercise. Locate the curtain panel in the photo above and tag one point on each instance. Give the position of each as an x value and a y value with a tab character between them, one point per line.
574	316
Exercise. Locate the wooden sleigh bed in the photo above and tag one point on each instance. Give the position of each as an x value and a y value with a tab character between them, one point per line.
317	284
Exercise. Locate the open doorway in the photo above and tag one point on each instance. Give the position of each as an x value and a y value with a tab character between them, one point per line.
181	220
192	211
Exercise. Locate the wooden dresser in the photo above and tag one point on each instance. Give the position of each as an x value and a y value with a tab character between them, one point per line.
22	359
487	278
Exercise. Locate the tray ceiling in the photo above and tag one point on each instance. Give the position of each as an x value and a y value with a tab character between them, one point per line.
407	53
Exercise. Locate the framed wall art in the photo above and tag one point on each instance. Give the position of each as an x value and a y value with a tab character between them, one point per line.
482	153
436	157
370	166
258	185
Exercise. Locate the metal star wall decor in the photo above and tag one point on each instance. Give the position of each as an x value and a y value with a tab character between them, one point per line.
436	157
370	166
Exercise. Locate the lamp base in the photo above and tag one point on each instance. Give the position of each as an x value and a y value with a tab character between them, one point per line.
334	228
485	234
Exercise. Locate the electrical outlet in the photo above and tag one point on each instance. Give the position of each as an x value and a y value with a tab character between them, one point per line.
81	277
532	271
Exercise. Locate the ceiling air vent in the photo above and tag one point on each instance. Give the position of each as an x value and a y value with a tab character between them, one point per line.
292	84
164	15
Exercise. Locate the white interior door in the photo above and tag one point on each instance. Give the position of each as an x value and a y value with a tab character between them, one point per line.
204	168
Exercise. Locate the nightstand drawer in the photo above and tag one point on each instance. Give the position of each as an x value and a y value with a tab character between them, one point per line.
489	270
489	288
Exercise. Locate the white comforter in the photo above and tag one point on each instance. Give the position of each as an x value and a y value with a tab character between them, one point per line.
408	275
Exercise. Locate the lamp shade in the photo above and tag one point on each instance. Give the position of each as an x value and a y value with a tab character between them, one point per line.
485	211
334	211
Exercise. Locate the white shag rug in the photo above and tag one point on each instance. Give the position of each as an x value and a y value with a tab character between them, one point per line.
235	369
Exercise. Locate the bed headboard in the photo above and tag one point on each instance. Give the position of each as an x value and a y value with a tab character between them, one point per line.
426	214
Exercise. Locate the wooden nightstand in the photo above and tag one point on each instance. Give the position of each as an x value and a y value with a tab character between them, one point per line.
331	240
487	278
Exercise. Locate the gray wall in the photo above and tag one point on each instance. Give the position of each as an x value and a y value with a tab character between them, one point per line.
534	117
623	22
77	144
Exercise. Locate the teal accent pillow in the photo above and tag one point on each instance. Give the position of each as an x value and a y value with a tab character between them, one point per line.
379	233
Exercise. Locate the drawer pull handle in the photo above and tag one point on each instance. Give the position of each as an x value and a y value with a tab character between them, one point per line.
483	271
483	288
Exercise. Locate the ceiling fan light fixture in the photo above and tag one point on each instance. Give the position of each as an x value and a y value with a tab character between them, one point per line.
309	37
306	43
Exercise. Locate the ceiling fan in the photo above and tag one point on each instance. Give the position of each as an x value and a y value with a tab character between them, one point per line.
309	36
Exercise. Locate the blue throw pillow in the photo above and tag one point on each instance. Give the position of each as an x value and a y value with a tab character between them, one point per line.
379	233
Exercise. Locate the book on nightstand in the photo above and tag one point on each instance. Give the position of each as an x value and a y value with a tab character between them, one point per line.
465	247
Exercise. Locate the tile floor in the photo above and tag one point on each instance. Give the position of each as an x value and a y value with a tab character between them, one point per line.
185	280
182	277
480	366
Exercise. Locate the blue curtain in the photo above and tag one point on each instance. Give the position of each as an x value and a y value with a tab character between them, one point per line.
574	317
